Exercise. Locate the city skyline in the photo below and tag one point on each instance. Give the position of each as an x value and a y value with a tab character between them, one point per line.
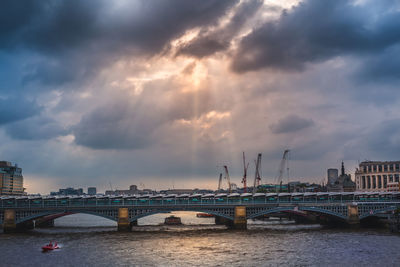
164	93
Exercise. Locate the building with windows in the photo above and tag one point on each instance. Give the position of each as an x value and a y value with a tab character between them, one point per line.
377	175
11	179
133	190
393	187
342	183
92	191
333	175
69	191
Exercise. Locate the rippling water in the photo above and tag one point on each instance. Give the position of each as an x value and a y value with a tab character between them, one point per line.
92	241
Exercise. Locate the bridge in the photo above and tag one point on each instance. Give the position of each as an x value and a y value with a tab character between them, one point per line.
23	212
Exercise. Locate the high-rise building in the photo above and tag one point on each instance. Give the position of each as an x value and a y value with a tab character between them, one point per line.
92	191
333	175
11	179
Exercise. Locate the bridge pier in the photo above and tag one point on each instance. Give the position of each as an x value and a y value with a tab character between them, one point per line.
124	225
353	215
240	221
9	225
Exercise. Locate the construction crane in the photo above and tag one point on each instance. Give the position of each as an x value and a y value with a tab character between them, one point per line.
219	182
244	180
284	162
257	176
111	186
228	178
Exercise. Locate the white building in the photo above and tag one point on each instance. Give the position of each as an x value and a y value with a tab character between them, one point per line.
376	175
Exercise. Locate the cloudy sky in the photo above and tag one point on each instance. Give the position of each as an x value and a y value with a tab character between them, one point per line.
162	94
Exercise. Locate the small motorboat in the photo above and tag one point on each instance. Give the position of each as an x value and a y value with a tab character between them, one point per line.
50	246
172	220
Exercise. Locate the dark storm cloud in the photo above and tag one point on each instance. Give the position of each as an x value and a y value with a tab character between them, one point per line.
291	123
14	17
36	128
210	42
56	71
147	25
119	125
203	46
77	37
64	25
382	68
318	30
17	108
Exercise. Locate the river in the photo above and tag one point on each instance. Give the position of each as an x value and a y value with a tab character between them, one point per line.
87	240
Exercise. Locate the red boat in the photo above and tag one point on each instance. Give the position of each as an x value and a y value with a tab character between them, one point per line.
50	246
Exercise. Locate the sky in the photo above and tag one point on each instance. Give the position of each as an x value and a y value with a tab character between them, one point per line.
162	94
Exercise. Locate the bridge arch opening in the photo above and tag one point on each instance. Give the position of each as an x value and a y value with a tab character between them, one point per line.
187	217
84	220
372	222
69	219
306	215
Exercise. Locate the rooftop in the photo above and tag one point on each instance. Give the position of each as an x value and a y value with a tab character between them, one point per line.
378	162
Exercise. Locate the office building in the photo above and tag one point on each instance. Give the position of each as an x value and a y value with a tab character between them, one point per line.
333	175
377	175
11	179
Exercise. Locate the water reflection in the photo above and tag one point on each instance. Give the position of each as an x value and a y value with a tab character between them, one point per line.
198	243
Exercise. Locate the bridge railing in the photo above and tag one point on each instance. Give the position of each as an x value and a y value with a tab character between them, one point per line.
165	201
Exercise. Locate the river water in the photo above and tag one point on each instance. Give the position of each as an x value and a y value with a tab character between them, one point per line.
87	240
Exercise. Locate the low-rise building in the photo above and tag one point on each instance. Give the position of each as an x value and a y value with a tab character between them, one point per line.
92	191
177	191
69	191
11	179
376	175
133	190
